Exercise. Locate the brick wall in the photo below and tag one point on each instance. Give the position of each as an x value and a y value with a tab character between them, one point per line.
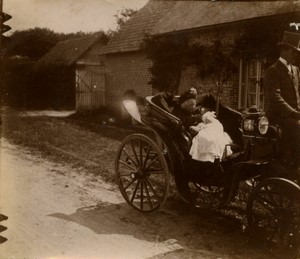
130	70
190	77
229	91
125	71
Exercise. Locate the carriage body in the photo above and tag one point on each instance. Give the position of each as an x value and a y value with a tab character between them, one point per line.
146	163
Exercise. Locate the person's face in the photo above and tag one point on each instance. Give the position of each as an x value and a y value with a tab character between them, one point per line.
291	55
189	105
203	110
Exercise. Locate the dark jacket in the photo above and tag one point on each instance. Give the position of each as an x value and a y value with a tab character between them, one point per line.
281	98
187	119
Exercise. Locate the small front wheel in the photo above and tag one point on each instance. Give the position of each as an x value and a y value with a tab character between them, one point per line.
273	213
142	173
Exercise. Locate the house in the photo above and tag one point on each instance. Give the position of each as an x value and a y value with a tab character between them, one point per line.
126	63
71	74
201	22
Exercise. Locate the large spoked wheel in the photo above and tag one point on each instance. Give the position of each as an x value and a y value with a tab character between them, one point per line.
142	173
273	213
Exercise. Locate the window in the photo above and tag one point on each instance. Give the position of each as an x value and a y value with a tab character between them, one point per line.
251	90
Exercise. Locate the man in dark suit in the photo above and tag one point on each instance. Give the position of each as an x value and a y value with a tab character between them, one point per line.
283	96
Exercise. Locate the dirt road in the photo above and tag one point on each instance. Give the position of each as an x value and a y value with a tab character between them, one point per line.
56	211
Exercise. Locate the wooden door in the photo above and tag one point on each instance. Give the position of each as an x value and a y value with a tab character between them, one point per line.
90	87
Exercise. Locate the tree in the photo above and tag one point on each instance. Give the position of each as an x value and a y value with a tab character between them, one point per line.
123	16
32	43
171	54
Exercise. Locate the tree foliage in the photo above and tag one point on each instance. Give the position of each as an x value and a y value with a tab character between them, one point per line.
170	55
123	16
34	43
168	58
259	38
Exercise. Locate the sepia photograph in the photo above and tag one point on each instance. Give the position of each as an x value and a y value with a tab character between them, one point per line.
150	129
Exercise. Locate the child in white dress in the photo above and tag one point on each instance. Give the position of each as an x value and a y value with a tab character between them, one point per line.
211	140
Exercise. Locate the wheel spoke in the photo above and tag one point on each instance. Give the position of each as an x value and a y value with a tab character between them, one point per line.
152	189
142	195
130	183
154	181
280	201
141	153
127	165
264	203
271	214
152	162
148	196
134	152
142	173
269	197
129	156
147	156
155	172
135	190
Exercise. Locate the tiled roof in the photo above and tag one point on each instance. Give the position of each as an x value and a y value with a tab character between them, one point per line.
67	52
130	37
188	15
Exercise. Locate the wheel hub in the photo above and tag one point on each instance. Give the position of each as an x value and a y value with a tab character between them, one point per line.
137	175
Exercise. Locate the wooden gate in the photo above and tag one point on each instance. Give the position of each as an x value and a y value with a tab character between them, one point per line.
90	87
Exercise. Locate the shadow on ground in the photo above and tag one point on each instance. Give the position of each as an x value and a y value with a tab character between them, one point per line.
195	230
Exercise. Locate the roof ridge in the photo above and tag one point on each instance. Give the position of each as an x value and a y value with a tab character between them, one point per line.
98	35
131	35
68	51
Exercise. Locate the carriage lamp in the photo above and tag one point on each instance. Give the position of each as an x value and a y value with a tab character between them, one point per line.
255	120
263	125
248	125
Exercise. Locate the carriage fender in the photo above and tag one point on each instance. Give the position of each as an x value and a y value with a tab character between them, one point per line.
248	168
249	164
257	162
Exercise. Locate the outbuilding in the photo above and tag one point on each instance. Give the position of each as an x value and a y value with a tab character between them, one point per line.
71	74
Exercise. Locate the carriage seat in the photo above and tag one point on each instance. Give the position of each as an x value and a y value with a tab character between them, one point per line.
159	113
156	114
164	100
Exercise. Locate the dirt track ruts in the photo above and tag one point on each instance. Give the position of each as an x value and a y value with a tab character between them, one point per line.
58	211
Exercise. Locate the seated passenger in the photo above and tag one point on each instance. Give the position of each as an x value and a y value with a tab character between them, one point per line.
210	142
229	118
186	107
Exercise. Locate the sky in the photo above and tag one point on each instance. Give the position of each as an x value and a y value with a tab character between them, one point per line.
66	15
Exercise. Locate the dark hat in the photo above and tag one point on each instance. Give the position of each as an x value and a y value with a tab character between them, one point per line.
291	39
189	94
207	101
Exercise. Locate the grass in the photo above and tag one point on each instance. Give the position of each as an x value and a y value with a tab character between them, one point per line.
92	147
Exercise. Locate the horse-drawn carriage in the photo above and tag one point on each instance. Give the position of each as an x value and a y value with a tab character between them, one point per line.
146	162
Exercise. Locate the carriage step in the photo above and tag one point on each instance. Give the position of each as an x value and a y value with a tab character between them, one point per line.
257	162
